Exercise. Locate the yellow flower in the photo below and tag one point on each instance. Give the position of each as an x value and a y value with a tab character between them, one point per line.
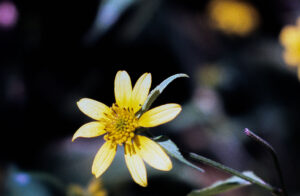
290	39
119	123
233	17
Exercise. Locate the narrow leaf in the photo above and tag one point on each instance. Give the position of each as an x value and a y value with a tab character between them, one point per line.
157	91
226	185
173	151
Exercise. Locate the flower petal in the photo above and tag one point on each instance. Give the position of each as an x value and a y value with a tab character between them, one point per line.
159	115
135	165
140	91
152	153
92	129
123	89
103	158
92	108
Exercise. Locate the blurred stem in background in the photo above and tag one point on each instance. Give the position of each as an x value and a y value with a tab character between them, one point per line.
273	153
273	190
234	172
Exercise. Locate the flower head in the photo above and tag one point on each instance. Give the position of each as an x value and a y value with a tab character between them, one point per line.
119	123
290	39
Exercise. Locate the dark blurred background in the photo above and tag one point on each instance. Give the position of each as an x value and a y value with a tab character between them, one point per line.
55	52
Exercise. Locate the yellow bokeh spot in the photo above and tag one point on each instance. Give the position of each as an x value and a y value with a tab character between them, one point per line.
94	188
233	17
290	39
75	190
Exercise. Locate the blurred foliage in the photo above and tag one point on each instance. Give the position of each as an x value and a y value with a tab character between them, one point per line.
31	183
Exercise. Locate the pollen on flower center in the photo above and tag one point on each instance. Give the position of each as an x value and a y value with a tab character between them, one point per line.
120	124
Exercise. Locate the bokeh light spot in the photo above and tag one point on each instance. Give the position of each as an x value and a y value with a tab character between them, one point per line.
22	179
8	15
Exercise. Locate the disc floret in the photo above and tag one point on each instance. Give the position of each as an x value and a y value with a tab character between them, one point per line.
120	124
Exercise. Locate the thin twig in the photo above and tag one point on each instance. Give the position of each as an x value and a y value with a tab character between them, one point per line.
273	153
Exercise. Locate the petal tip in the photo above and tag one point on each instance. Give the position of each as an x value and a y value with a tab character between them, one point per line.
143	184
79	102
178	108
75	136
97	175
169	167
149	76
94	172
121	72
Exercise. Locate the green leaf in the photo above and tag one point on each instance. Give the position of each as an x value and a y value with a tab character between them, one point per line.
157	91
226	185
173	151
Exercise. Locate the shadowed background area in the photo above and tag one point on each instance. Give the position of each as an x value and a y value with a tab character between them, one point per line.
54	53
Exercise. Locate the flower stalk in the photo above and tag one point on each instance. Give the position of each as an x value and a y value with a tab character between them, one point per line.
265	144
273	190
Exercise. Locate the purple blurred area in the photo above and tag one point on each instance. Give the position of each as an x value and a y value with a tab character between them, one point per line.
52	53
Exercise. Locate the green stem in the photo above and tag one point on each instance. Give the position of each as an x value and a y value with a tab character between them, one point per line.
273	153
234	172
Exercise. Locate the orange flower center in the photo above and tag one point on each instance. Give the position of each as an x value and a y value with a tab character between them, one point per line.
120	124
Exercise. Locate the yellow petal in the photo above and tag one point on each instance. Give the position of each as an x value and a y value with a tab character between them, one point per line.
159	115
103	158
92	129
140	91
135	165
152	153
123	89
92	108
